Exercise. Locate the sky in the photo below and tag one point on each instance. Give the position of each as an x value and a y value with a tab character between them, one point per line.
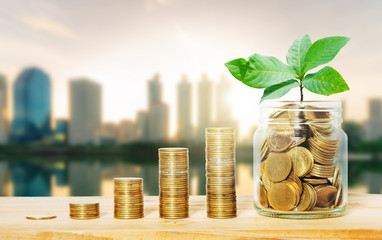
121	44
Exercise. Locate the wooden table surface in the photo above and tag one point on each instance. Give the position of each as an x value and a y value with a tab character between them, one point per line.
362	220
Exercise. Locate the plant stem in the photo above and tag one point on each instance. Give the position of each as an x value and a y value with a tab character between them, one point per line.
301	93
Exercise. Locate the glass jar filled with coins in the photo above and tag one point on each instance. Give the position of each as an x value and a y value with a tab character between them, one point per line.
300	160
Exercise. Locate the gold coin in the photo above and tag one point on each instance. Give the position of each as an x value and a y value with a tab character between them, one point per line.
282	196
302	160
293	178
221	130
40	216
316	181
266	181
326	195
261	169
263	196
339	196
308	198
278	166
279	142
336	177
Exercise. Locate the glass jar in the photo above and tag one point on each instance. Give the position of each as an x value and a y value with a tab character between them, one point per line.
300	160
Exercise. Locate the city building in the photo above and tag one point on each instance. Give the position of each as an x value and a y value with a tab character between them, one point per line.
61	131
85	111
204	106
155	91
373	126
157	113
184	110
224	111
126	131
158	122
4	128
107	135
32	107
140	128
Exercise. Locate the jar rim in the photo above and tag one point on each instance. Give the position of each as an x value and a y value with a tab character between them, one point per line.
333	105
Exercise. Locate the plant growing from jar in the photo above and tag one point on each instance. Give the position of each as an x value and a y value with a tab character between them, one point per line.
300	150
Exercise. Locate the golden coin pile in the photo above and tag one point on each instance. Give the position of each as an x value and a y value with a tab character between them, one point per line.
128	198
173	183
220	172
298	169
84	210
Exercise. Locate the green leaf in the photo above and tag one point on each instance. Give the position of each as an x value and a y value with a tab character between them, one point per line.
279	90
326	82
296	53
269	71
241	69
323	51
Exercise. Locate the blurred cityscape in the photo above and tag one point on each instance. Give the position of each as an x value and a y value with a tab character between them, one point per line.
32	122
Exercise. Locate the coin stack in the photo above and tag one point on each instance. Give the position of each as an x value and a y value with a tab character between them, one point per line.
220	172
128	198
173	183
298	169
84	210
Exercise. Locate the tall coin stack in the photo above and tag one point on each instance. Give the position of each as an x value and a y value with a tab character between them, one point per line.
173	183
84	210
128	198
220	172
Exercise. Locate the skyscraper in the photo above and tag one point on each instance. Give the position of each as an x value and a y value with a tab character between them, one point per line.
155	91
61	131
140	132
184	110
158	112
204	106
32	106
224	113
158	122
373	125
4	128
85	111
223	104
125	131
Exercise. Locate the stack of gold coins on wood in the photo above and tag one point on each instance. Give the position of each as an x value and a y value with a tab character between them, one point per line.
173	183
128	198
298	169
84	210
220	172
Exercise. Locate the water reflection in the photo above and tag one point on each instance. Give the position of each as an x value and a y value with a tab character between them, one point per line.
93	177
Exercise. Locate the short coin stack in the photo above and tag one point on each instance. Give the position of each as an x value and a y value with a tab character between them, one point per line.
173	183
84	210
220	172
128	198
297	168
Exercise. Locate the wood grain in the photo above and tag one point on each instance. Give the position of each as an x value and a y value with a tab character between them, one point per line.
362	220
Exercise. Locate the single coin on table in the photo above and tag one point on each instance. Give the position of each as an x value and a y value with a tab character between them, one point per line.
40	216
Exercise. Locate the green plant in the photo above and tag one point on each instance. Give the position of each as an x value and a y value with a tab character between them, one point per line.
278	78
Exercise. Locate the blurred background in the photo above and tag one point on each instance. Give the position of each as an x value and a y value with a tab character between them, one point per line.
90	89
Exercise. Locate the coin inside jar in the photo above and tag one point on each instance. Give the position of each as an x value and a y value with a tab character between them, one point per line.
278	166
302	160
326	195
263	196
308	198
282	196
279	142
